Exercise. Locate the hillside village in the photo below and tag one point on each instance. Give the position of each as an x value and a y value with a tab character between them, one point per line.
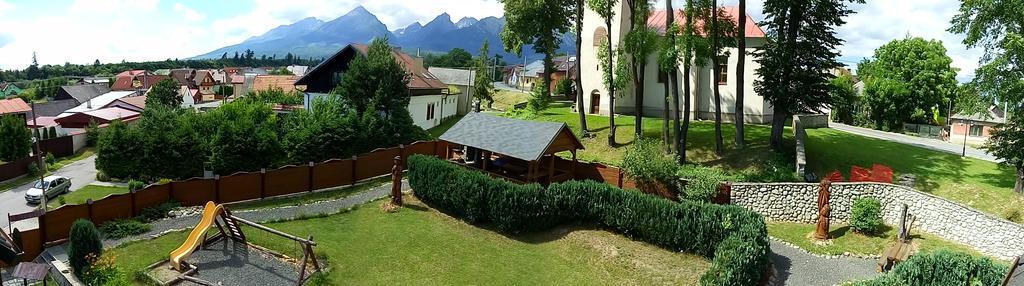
618	142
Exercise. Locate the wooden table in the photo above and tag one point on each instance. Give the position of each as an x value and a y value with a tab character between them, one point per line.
895	253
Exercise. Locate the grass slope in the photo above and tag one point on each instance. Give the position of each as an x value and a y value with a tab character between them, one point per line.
93	192
845	240
419	245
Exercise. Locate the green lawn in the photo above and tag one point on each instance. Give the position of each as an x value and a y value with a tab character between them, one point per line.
980	184
505	99
419	245
444	126
93	192
845	240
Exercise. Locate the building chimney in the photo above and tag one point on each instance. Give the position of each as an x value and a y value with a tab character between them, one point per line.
88	103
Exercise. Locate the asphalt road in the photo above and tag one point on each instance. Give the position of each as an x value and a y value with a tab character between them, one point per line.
12	201
502	86
933	144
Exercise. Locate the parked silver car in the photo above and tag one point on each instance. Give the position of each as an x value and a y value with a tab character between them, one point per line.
52	185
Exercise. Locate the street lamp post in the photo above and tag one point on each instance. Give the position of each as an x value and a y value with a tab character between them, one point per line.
967	130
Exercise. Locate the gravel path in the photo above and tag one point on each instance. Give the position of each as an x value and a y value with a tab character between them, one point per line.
230	263
796	267
265	215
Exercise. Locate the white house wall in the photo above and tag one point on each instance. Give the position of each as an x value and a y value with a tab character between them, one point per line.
418	109
589	64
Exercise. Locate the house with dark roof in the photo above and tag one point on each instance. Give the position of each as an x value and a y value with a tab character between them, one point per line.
462	81
429	104
197	84
81	93
977	128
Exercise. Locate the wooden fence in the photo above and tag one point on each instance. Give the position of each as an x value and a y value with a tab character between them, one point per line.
54	225
11	170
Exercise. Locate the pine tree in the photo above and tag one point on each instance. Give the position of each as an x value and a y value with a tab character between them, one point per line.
483	87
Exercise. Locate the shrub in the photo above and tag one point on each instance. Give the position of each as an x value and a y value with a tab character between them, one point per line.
102	176
735	239
50	159
33	169
103	271
772	171
53	132
942	267
136	185
702	184
646	163
156	212
84	240
866	215
1014	215
117	229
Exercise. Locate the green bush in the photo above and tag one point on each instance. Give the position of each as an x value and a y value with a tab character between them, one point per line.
772	171
136	185
156	212
53	132
646	163
50	159
941	268
84	241
735	239
866	215
117	229
102	176
33	169
702	182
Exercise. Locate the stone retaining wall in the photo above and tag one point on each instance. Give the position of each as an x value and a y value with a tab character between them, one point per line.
797	202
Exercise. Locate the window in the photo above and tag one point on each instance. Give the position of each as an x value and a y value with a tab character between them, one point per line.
723	70
430	111
976	130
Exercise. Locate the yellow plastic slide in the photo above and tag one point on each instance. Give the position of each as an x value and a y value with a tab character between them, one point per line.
195	238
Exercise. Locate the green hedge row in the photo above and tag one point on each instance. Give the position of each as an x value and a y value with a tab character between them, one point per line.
942	268
733	238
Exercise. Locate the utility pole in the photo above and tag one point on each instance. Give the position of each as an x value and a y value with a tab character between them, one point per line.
967	131
42	166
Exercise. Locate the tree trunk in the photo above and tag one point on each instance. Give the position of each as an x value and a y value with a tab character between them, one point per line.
673	82
579	68
716	77
636	68
665	136
687	61
611	85
778	124
741	53
1019	186
548	62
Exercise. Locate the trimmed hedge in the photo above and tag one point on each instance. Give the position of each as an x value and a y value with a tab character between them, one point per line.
733	238
941	268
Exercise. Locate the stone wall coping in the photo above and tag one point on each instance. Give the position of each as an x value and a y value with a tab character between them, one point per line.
961	205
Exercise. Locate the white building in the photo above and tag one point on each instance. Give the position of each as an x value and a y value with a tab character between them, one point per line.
756	109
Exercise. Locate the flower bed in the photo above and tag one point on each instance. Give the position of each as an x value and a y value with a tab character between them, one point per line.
734	239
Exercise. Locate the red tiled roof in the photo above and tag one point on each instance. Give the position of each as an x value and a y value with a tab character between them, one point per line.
268	82
125	82
419	77
657	21
41	121
131	73
13	106
237	79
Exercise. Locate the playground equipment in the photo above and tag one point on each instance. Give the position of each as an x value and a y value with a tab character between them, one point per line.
229	228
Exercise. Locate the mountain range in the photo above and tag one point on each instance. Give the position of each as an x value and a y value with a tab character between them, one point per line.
312	37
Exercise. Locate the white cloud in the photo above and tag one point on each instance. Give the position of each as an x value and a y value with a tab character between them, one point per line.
6	7
189	13
112	6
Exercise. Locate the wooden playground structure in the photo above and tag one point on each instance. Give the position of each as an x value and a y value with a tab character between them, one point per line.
229	227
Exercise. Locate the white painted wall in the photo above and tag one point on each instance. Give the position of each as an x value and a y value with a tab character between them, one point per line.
418	109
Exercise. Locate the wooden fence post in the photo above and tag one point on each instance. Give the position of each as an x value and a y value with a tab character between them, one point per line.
263	183
619	177
355	159
170	191
401	154
131	196
89	203
216	188
311	164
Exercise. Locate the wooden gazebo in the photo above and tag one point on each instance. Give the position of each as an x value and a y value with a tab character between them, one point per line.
519	150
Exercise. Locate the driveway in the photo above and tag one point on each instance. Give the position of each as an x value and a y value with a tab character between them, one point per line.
82	173
933	144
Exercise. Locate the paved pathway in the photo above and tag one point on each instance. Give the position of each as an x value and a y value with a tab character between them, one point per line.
796	267
82	173
933	144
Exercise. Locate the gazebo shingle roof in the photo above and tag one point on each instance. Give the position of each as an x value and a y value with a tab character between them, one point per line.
522	139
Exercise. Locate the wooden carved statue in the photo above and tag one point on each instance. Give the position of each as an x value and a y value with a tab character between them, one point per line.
396	182
824	210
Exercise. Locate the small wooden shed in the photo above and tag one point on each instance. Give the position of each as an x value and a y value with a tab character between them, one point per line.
519	150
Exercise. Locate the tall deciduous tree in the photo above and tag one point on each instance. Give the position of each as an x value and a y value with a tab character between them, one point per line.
605	8
639	43
721	36
668	62
164	92
996	26
800	52
905	80
578	9
539	23
483	86
741	55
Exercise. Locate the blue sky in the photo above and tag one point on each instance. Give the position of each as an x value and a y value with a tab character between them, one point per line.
80	31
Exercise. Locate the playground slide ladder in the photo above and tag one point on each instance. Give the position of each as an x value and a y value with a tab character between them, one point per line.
233	229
